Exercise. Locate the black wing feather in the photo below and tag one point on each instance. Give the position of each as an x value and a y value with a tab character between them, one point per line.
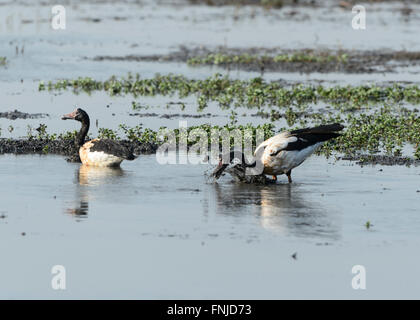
309	136
327	128
112	147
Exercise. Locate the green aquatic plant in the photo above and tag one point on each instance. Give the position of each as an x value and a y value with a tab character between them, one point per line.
138	106
233	117
3	61
104	133
254	93
41	134
145	135
246	59
385	131
376	123
381	131
69	135
42	131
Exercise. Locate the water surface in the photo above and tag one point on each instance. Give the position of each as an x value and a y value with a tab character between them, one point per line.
165	231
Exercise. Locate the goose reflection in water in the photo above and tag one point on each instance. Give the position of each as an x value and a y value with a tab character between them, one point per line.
280	209
88	177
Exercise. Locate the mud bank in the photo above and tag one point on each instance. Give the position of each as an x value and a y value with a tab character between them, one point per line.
280	3
383	160
172	115
280	60
13	115
265	3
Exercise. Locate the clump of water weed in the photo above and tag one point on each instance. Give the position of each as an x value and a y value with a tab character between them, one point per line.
254	93
246	58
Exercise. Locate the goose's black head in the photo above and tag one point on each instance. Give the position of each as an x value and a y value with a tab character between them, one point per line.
78	115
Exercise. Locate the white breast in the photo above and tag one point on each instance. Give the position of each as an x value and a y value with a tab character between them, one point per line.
285	160
102	159
97	158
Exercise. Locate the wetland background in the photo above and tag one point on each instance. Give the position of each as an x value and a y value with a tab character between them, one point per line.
151	231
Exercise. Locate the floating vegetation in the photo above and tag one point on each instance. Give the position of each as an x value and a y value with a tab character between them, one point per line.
378	137
227	59
238	93
383	131
3	61
260	59
380	131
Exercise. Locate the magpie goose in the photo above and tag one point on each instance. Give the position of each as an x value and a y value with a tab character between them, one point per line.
283	152
97	152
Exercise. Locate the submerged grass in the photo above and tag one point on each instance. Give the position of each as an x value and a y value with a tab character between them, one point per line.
3	61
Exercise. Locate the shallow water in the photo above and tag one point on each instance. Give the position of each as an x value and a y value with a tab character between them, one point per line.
124	28
164	231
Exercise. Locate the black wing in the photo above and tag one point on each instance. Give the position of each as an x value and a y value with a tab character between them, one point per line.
112	147
309	136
